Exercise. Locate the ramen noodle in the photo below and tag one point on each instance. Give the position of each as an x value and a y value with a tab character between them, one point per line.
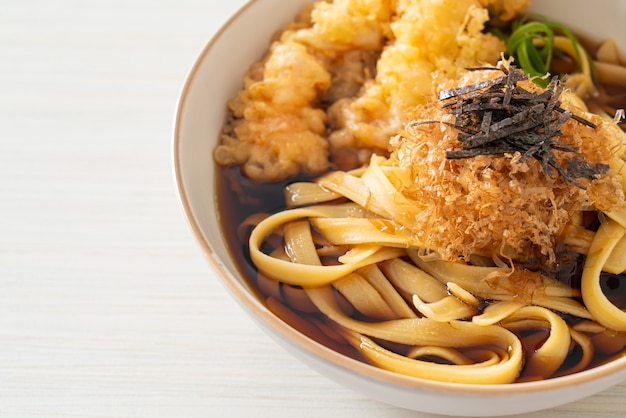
464	223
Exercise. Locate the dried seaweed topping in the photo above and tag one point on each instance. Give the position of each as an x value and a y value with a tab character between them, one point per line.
498	116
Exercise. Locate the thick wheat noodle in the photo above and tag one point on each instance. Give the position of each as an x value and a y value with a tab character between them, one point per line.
413	331
607	314
425	331
310	275
442	330
545	360
587	348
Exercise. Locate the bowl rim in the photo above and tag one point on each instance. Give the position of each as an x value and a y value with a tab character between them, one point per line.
259	311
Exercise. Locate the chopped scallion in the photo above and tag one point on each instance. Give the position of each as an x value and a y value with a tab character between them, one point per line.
531	44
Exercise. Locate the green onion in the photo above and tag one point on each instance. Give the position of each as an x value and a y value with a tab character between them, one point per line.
531	44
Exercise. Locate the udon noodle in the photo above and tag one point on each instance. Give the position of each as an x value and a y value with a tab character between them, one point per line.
489	269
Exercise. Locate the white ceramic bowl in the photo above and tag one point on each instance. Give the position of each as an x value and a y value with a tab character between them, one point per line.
214	78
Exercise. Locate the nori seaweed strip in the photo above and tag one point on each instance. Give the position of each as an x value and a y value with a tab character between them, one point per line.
560	146
466	153
471	107
578	167
510	85
461	128
578	118
498	116
556	123
519	122
485	124
501	69
457	91
566	175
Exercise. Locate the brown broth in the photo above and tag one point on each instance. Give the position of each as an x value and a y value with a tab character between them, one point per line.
239	198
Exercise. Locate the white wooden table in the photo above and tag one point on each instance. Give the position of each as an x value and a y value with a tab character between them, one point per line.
107	306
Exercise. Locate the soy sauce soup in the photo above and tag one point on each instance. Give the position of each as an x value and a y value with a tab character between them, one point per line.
238	198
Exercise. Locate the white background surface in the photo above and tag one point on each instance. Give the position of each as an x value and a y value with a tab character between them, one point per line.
107	306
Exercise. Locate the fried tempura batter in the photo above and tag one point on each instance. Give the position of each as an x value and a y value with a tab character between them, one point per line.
335	88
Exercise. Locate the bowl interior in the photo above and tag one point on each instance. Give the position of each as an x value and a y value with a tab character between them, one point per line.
595	21
215	77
